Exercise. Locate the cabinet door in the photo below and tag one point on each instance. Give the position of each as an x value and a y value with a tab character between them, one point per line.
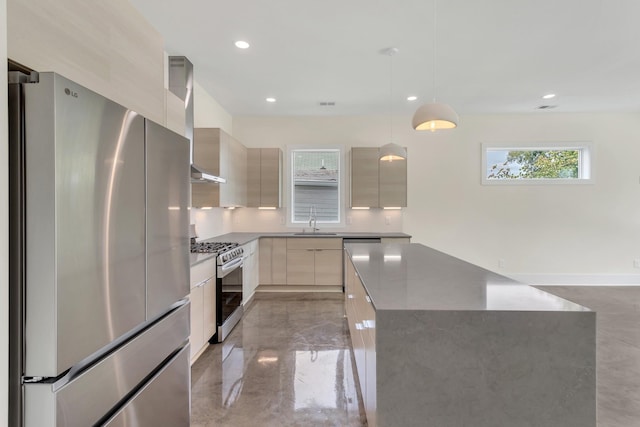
270	166
238	173
253	177
364	177
328	267
227	189
265	253
196	338
393	183
249	270
370	395
279	261
255	278
209	310
300	267
206	154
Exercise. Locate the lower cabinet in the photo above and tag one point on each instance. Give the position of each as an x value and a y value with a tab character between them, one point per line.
250	276
314	261
203	306
328	267
272	263
300	266
361	318
196	338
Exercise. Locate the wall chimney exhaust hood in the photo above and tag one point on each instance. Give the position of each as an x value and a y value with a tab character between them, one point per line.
198	175
181	84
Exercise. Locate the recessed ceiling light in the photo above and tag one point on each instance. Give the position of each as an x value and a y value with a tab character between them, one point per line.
270	100
549	96
411	98
241	44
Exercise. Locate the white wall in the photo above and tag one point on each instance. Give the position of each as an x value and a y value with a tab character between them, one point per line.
553	229
252	219
292	131
4	224
207	113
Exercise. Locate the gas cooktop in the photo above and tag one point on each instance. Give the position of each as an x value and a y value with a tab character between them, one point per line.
212	247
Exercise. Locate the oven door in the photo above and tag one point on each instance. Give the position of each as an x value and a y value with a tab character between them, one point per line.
229	293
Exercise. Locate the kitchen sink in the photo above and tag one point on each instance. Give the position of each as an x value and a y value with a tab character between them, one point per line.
315	234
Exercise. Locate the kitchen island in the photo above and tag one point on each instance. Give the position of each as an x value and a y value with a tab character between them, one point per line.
442	342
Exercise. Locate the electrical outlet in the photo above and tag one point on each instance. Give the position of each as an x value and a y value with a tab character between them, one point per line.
501	263
636	263
387	220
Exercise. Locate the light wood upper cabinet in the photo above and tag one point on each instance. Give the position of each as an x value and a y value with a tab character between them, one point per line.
264	177
375	183
220	154
364	177
393	183
253	177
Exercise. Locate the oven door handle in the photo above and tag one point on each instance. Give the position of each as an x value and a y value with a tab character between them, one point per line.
229	267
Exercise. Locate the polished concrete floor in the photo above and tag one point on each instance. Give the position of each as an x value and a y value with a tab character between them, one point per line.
617	349
289	363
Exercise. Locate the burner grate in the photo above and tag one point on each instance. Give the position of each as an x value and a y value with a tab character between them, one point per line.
212	247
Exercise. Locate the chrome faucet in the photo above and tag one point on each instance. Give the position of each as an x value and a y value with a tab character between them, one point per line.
312	218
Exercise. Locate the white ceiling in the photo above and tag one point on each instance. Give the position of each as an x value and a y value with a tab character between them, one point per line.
493	56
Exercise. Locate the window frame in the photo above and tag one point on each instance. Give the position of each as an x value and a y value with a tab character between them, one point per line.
342	173
585	165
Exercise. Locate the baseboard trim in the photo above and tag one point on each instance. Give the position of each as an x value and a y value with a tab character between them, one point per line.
578	279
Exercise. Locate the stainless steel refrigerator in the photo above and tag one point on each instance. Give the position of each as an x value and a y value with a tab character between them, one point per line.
99	261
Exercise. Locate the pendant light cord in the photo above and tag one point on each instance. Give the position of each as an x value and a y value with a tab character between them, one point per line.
435	24
391	53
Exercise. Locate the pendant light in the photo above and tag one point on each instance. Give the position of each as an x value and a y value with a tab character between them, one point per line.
434	116
390	152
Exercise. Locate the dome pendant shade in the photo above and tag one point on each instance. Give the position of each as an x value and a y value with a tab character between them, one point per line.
390	152
434	117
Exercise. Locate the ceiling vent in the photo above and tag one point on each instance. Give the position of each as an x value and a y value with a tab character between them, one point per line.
546	107
327	104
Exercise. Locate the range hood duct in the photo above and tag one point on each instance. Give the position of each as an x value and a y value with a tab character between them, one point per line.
181	85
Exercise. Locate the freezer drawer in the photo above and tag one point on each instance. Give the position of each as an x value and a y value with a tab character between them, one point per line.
86	398
164	401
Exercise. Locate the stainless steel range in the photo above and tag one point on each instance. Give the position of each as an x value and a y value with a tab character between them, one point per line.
229	260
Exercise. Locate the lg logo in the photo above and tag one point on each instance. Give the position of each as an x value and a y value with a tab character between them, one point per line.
70	92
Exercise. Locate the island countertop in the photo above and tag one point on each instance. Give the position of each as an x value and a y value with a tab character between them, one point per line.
416	277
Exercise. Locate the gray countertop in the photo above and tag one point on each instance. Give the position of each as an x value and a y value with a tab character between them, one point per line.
415	277
243	238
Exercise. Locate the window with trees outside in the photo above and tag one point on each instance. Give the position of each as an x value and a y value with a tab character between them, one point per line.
536	164
315	189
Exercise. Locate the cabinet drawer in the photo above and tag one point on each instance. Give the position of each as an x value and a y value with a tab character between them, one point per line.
314	243
328	243
202	271
301	243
